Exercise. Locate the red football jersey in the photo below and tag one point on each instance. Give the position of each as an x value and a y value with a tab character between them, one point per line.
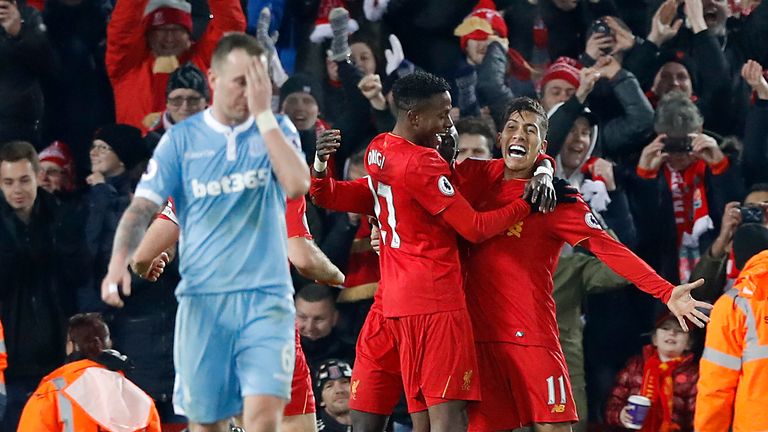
420	272
509	277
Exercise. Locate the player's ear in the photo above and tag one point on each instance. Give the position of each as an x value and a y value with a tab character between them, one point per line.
413	117
211	76
543	147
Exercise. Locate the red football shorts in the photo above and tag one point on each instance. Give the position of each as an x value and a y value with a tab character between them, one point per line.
521	385
302	399
376	382
437	357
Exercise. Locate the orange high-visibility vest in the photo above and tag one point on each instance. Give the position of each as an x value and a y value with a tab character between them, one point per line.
733	374
84	396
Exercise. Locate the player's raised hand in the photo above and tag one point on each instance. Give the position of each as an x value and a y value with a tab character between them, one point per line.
258	86
111	285
683	305
540	190
328	142
153	271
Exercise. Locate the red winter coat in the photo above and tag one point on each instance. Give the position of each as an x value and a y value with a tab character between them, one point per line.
138	91
630	379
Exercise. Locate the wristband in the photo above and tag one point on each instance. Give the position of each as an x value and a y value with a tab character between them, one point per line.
266	121
319	165
544	170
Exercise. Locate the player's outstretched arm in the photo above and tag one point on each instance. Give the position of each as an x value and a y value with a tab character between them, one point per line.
289	167
312	263
351	196
156	249
628	265
480	226
129	233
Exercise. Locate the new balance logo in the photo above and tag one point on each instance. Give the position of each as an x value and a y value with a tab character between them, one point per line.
234	183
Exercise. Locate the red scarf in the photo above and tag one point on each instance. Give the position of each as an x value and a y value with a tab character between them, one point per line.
689	203
658	386
689	196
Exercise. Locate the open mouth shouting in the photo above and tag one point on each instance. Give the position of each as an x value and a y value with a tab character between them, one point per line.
516	151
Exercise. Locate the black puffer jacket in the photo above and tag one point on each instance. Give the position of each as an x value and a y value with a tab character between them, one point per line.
41	266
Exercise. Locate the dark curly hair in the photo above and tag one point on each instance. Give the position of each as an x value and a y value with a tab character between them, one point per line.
409	91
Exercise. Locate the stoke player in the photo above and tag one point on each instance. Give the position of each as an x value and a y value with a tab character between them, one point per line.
152	254
230	169
423	337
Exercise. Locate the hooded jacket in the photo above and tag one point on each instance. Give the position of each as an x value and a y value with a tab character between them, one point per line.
611	207
90	396
734	366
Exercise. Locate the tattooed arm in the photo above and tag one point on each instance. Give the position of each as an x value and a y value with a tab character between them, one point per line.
129	233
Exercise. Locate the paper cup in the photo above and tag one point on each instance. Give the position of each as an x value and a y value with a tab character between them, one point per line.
638	409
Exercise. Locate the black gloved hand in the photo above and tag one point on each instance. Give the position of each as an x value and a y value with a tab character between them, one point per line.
540	193
564	192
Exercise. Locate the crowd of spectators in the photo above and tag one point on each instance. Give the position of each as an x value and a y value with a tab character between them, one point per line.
658	114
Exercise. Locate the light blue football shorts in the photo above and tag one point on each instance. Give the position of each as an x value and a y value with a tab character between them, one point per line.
228	346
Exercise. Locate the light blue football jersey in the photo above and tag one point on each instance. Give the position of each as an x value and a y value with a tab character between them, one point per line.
230	205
